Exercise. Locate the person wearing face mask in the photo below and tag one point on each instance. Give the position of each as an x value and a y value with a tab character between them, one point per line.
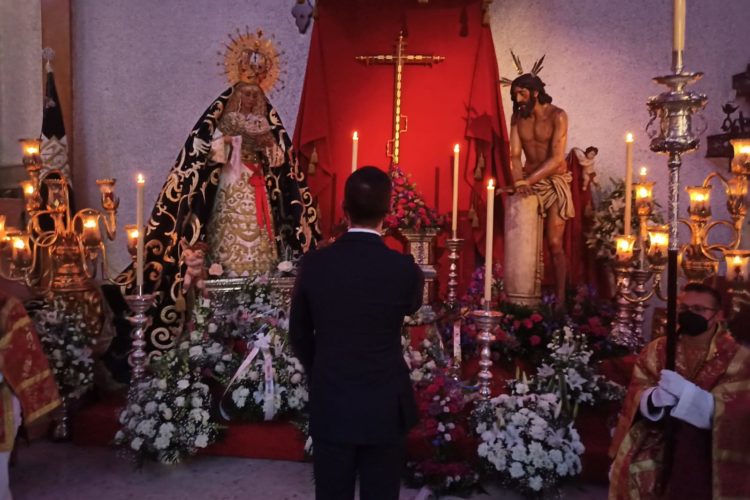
708	398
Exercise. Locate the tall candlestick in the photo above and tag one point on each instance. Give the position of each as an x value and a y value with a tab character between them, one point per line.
139	225
488	243
454	222
678	26
355	147
628	181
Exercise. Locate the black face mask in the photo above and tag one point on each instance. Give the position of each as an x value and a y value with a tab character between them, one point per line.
691	323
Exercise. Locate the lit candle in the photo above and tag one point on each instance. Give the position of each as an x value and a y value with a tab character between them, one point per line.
30	149
700	197
678	26
131	230
644	198
643	175
91	235
139	225
658	237
454	222
21	252
628	181
741	157
738	265
488	243
624	248
355	147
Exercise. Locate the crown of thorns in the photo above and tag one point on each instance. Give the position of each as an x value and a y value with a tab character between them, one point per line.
538	65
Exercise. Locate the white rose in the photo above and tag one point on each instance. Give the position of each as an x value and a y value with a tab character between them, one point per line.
167	413
212	328
150	407
161	384
119	436
296	378
136	443
253	376
535	483
183	384
161	442
197	402
219	368
179	401
516	470
195	351
285	266
416	376
201	441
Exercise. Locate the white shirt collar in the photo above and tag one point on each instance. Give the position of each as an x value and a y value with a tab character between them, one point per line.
363	230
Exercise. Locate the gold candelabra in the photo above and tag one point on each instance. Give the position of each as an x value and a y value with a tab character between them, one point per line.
699	258
58	249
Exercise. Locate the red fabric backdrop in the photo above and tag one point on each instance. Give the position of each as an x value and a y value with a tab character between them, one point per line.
456	101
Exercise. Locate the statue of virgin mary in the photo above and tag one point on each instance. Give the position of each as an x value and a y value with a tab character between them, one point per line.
235	191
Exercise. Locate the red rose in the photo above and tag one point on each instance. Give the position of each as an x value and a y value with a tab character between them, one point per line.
536	318
528	324
535	340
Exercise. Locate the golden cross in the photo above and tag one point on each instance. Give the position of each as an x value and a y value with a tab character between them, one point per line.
399	59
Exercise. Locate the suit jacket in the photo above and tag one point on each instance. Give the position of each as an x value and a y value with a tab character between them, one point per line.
347	312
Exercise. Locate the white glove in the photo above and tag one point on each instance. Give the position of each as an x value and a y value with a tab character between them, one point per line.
660	399
695	405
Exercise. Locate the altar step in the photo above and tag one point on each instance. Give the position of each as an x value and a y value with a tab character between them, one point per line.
97	424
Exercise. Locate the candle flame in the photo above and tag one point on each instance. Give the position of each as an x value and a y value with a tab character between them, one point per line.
28	188
31	150
644	171
90	223
141	179
19	243
629	137
133	233
491	184
456	148
745	150
736	260
643	192
356	136
698	197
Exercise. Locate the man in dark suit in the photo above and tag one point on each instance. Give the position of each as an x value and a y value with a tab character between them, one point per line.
347	310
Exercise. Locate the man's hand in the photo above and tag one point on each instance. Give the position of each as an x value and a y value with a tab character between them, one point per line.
662	399
522	188
694	405
673	383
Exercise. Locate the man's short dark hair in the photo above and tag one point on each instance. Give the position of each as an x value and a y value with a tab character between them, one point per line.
367	196
701	288
590	149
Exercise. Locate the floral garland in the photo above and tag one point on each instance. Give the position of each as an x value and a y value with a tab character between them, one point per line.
525	443
408	208
67	345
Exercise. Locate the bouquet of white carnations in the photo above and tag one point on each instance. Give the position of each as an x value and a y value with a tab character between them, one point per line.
67	345
525	443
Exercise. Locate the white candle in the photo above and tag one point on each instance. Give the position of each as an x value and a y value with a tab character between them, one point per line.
141	182
454	222
678	26
355	146
643	175
628	180
488	243
457	343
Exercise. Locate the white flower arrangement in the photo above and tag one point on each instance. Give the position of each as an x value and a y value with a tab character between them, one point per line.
525	443
569	372
168	414
67	344
272	386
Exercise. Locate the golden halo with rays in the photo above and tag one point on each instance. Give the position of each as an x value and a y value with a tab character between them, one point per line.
251	58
